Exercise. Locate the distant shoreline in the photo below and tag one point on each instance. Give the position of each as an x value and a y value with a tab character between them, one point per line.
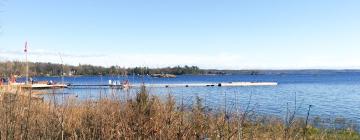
227	74
53	69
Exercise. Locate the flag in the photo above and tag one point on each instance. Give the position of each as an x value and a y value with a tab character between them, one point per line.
26	47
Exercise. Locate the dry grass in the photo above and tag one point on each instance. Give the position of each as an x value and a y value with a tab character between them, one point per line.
144	117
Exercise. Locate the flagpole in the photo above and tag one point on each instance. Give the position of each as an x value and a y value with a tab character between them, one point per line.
27	64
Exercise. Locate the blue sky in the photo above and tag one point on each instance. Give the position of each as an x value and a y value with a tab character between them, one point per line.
241	34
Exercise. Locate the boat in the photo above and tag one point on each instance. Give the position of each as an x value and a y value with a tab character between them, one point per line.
121	85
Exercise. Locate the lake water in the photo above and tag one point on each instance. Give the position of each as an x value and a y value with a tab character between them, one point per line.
332	95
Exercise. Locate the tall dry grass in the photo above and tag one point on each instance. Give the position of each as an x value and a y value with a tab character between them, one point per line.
143	117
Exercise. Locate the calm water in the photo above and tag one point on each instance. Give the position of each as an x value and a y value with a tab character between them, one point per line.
332	95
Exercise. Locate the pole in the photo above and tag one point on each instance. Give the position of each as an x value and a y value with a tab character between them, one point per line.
27	65
62	69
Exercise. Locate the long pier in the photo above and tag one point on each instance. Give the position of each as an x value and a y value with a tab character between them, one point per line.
224	84
173	85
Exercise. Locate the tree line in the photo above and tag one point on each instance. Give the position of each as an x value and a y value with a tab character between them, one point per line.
51	69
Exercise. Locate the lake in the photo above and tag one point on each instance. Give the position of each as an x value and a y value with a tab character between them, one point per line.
332	95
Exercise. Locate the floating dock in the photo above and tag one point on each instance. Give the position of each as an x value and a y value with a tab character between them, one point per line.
38	86
224	84
45	86
228	84
174	85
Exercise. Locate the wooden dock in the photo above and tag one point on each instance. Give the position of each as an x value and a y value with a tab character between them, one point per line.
45	86
224	84
36	86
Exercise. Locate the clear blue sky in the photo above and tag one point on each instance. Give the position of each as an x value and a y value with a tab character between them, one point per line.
241	34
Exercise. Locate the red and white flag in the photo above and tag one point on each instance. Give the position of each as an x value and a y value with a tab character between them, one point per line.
26	47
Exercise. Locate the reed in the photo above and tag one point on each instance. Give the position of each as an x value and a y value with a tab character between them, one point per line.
144	117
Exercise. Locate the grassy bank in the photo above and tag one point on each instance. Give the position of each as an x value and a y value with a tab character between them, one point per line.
144	117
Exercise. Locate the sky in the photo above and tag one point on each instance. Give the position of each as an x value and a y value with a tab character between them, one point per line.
215	34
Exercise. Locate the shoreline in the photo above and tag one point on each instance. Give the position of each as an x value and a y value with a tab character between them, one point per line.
165	116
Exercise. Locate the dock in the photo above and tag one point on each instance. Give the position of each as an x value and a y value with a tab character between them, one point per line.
226	84
45	86
175	85
163	75
38	86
